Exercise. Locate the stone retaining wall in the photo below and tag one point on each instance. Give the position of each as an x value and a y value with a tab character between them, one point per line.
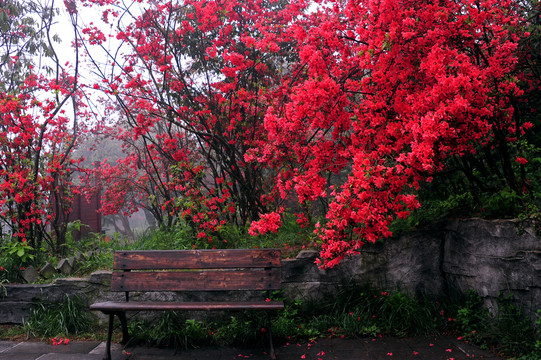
490	257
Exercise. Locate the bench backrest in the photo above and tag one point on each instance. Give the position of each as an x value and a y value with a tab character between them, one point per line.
197	270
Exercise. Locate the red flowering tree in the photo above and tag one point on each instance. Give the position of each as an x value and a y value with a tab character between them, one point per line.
36	135
193	87
386	91
229	108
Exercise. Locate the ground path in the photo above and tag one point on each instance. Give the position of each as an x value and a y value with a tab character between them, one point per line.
419	348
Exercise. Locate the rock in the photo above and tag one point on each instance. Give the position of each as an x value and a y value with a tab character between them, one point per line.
30	274
64	267
100	277
14	312
307	254
493	258
47	271
72	261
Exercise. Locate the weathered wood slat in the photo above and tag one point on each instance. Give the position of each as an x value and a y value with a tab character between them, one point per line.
210	280
197	259
112	306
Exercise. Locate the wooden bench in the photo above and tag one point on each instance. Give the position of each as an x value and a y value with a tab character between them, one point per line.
192	270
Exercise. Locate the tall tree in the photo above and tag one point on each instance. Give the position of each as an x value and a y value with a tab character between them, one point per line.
193	89
36	134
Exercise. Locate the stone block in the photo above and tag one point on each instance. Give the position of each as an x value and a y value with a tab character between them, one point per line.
30	274
72	261
23	292
308	254
47	271
64	267
14	312
101	277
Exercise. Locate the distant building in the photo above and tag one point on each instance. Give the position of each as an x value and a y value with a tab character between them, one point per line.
87	212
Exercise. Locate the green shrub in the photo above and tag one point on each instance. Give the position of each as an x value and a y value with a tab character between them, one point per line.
472	317
355	311
174	330
10	270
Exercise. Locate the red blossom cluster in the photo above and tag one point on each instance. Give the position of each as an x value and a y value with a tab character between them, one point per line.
60	341
385	92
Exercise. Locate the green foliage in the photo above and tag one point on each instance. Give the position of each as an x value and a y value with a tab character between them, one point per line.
10	270
503	203
229	236
363	311
11	332
179	237
101	247
353	311
100	260
182	236
174	330
509	332
14	257
472	317
404	315
535	354
17	249
3	291
71	317
290	237
287	324
513	329
71	227
241	329
537	346
490	183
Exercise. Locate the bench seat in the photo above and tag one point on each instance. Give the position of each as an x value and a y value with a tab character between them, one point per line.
116	306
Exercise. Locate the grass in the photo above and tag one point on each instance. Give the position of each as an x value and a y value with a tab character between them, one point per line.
354	311
364	311
70	317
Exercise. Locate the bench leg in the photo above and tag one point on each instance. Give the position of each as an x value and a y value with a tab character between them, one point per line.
109	337
124	324
125	336
271	345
